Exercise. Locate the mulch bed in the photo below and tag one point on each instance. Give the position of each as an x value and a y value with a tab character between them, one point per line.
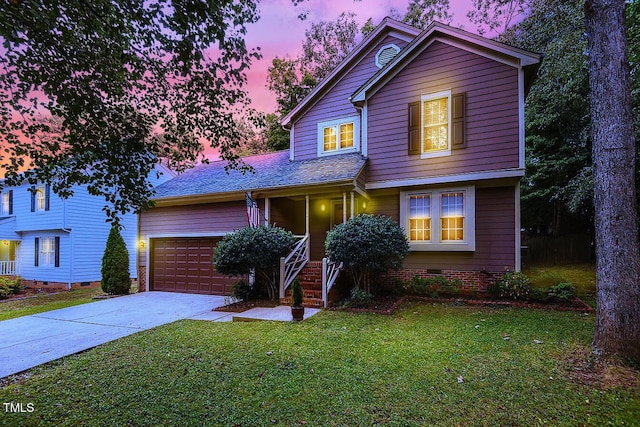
240	306
25	293
388	304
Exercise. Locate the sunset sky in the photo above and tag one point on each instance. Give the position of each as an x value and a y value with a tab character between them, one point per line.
279	31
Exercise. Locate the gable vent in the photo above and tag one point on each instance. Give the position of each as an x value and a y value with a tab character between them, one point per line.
386	54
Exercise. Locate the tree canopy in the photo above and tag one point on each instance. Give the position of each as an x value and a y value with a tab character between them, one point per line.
126	83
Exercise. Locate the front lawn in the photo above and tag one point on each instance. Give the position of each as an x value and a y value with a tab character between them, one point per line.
581	276
429	364
13	308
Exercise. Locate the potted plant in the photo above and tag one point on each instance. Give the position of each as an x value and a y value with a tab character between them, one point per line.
297	310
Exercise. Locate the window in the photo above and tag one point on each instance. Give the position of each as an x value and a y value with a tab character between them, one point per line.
7	203
439	219
47	251
40	198
339	136
437	124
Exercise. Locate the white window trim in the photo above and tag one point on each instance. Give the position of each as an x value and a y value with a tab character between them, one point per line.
41	253
430	97
337	122
436	244
43	199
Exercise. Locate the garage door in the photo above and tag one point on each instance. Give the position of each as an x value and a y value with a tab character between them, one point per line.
185	265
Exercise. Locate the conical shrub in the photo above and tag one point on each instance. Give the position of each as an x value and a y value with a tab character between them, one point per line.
115	265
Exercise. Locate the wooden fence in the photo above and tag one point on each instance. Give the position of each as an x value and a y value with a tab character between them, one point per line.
547	250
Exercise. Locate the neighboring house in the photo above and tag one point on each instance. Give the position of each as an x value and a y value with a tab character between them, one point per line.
426	127
57	243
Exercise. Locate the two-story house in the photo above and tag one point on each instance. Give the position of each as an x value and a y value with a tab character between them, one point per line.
426	127
59	243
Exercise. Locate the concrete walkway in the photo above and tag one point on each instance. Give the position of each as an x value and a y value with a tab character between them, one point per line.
29	341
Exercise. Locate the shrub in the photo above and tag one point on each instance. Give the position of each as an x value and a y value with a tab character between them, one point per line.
367	245
4	291
435	286
358	298
511	285
116	279
10	286
538	295
242	290
259	248
296	294
561	292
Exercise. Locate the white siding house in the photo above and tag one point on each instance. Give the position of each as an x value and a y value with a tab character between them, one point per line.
49	241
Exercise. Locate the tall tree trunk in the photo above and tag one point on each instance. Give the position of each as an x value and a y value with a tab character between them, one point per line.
617	256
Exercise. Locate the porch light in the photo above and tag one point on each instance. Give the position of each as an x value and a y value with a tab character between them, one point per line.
5	242
141	243
364	205
322	207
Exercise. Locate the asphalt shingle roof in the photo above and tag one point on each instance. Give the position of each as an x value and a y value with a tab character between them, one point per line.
272	171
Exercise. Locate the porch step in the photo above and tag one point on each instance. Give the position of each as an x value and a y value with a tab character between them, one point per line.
311	275
310	298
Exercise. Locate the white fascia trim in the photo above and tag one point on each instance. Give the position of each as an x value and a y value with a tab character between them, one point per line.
446	179
387	23
364	126
521	128
519	58
292	151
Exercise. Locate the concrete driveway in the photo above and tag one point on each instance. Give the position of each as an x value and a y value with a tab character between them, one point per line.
29	341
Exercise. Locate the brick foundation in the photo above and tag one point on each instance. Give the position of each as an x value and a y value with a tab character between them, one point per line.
472	281
64	286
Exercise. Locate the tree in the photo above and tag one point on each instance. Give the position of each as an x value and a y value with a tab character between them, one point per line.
367	245
327	43
257	248
421	13
289	82
617	329
497	15
115	265
275	136
130	82
558	137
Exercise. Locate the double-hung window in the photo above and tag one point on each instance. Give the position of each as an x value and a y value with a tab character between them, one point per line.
47	251
7	203
439	219
339	136
436	124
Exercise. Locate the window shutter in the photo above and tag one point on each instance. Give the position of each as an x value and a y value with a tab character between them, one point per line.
37	252
33	200
57	251
10	202
414	128
47	193
458	106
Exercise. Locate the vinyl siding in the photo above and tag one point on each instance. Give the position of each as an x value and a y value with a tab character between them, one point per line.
49	273
495	228
492	131
206	219
335	104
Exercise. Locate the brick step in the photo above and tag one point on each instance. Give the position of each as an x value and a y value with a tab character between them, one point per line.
306	302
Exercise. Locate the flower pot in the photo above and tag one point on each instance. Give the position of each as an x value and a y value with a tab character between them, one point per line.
297	313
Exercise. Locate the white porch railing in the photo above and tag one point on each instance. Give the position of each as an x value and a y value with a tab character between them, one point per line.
291	265
330	272
7	268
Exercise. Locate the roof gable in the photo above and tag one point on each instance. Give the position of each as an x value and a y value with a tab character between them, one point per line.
387	27
437	31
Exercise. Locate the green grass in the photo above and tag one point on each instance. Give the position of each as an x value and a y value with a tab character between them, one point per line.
334	369
582	276
10	309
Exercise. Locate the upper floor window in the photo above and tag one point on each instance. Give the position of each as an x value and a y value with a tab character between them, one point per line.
339	136
436	124
439	220
40	198
7	203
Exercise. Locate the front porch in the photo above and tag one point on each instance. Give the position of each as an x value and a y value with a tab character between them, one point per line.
8	262
310	217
